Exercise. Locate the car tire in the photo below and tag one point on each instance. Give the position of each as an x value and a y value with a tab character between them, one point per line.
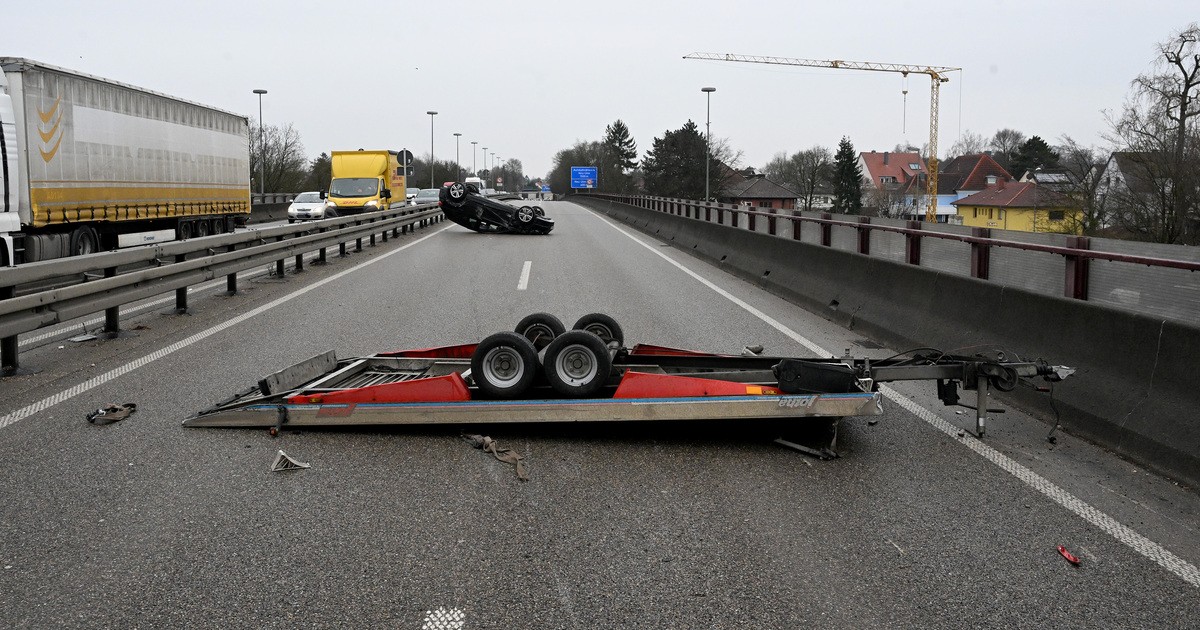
540	329
525	215
577	364
291	220
538	212
504	365
456	194
603	326
330	213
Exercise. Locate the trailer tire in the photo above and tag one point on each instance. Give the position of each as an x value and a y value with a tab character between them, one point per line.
577	364
84	240
540	329
202	228
603	326
504	365
185	230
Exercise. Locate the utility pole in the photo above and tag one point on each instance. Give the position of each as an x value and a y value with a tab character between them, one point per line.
457	163
708	135
431	160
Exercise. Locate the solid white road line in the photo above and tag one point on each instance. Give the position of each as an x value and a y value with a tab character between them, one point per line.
50	401
523	283
1139	543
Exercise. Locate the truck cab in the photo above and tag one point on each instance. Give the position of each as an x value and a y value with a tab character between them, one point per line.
365	181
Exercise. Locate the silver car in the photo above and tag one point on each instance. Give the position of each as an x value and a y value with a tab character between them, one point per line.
426	195
309	206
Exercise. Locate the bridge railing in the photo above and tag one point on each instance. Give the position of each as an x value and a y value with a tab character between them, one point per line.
1148	278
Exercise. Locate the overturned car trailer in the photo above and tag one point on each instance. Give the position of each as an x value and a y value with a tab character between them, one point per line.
542	372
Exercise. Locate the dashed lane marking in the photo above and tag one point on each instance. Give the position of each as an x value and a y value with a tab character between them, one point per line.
1139	543
523	283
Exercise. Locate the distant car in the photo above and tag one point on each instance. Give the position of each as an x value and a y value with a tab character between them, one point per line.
489	191
409	193
309	206
427	195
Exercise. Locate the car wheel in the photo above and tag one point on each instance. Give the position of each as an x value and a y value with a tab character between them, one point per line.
538	212
540	329
603	326
577	364
525	214
504	365
456	194
330	213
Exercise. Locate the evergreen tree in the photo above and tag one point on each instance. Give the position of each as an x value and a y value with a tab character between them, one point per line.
847	179
674	166
620	157
1033	154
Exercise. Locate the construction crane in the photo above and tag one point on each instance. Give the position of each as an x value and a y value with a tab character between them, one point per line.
937	76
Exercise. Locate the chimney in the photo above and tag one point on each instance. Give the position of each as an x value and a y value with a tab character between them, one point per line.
999	182
885	158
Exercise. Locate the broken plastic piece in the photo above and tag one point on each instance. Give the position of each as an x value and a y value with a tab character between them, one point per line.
283	461
83	337
111	413
1067	554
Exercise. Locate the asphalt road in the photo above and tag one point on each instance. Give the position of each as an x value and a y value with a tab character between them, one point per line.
143	523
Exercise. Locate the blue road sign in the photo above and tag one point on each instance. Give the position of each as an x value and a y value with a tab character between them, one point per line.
583	177
545	189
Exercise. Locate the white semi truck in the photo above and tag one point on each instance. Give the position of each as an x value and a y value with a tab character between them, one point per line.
88	164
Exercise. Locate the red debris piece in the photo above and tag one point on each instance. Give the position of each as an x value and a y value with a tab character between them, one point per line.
1067	554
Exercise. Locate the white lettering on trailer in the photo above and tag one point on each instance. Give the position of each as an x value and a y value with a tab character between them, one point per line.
796	402
1139	543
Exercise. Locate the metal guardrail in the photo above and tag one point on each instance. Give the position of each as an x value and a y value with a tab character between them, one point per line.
1077	254
177	265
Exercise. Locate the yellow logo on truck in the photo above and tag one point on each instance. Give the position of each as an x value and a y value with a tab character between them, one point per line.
55	114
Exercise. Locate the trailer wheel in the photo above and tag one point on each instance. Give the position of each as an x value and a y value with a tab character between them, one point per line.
603	326
218	226
504	365
185	230
84	240
540	329
456	194
525	214
202	228
577	364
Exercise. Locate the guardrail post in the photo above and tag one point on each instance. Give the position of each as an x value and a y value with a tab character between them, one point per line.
385	235
279	263
708	211
9	363
1077	269
771	222
181	292
864	235
826	230
797	226
751	219
358	244
299	262
720	216
112	315
980	254
231	279
912	243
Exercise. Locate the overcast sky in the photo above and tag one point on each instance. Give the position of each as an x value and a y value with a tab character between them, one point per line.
527	79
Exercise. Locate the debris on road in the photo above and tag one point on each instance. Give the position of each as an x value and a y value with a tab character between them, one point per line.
1067	554
283	461
112	413
506	455
83	337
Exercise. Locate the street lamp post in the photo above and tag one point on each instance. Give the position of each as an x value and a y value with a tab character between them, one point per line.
485	168
708	134
457	163
431	162
261	143
474	170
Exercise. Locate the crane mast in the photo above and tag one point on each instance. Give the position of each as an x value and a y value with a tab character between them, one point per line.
937	76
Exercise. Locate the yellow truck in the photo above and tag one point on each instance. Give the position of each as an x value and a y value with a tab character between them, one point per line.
365	181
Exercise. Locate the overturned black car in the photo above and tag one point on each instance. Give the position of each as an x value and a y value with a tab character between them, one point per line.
463	204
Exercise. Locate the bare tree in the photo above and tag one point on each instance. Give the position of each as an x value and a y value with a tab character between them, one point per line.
968	143
1082	166
1157	128
813	169
281	155
1004	145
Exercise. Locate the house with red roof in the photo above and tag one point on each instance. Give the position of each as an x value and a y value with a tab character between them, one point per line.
1022	206
965	175
893	181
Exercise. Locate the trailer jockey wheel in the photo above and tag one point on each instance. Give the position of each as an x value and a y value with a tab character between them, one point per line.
525	214
603	326
504	365
456	194
577	364
540	329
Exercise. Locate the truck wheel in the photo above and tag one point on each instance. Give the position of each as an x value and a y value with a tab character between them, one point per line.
456	194
185	230
540	329
525	214
504	365
84	240
218	226
603	326
577	364
202	228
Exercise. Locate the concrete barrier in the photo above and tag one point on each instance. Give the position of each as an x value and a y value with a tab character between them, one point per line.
1135	390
